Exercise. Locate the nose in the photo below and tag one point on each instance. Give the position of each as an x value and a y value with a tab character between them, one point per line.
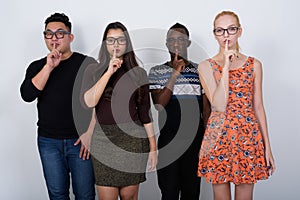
226	34
54	37
116	44
176	43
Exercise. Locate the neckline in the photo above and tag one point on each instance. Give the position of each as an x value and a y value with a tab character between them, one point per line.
188	65
68	58
238	68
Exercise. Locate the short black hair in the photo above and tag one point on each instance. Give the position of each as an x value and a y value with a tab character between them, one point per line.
59	17
180	26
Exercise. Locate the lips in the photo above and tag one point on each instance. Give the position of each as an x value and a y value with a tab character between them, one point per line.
176	51
55	45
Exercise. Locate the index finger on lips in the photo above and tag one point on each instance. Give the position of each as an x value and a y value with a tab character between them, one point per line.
176	55
114	53
226	45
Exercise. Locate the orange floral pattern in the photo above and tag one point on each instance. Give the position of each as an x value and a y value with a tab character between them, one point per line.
232	149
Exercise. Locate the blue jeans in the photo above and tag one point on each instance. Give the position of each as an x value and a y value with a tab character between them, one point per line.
60	158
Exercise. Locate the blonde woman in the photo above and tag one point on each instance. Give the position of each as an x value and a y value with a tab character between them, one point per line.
236	147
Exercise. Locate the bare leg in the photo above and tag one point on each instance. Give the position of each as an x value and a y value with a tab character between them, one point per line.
222	191
244	192
107	193
129	192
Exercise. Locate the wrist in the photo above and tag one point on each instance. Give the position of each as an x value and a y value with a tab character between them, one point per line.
175	74
267	147
226	65
48	67
108	73
153	149
153	146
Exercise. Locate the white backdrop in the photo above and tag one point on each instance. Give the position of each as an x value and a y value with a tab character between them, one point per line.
270	34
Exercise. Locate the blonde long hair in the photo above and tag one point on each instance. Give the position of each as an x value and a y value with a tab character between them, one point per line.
233	15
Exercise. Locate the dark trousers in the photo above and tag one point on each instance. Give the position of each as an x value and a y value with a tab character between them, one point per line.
179	179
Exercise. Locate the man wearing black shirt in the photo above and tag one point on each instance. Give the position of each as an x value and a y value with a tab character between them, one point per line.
176	92
52	81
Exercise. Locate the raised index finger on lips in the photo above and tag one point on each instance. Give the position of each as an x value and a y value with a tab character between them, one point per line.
114	53
226	45
55	52
176	55
114	60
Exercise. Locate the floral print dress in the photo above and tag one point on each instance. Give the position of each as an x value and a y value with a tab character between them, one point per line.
232	149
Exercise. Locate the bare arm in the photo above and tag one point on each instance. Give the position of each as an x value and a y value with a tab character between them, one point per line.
220	96
53	60
206	109
260	113
93	95
40	80
152	160
217	93
163	96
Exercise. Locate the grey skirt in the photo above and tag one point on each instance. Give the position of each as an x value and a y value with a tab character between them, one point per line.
119	154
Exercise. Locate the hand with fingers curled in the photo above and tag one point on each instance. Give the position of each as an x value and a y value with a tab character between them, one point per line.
53	58
152	160
270	162
178	65
229	54
85	141
114	64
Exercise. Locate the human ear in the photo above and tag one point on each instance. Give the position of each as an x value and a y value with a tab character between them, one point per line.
71	37
189	43
240	32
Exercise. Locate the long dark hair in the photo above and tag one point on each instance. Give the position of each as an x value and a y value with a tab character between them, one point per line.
129	60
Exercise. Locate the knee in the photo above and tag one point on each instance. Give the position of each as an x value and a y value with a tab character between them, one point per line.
129	195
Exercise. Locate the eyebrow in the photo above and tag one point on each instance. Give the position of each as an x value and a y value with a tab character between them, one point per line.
184	37
60	29
232	25
116	37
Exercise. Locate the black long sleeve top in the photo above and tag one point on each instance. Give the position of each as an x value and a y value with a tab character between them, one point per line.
60	114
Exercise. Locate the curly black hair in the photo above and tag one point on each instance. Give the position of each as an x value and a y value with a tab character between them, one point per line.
59	17
179	26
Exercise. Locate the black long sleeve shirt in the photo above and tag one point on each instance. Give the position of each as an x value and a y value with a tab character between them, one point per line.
60	114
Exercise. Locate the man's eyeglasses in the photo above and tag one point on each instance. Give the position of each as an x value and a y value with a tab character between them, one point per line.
230	31
111	40
180	40
59	34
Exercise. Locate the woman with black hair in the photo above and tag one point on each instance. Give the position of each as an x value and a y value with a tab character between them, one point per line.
118	90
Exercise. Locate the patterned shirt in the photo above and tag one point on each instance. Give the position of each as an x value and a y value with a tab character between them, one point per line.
187	83
182	113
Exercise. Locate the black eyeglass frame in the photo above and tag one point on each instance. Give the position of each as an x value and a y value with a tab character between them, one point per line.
180	40
55	33
116	39
226	29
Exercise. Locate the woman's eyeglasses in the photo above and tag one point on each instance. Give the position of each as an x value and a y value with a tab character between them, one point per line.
230	31
111	40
